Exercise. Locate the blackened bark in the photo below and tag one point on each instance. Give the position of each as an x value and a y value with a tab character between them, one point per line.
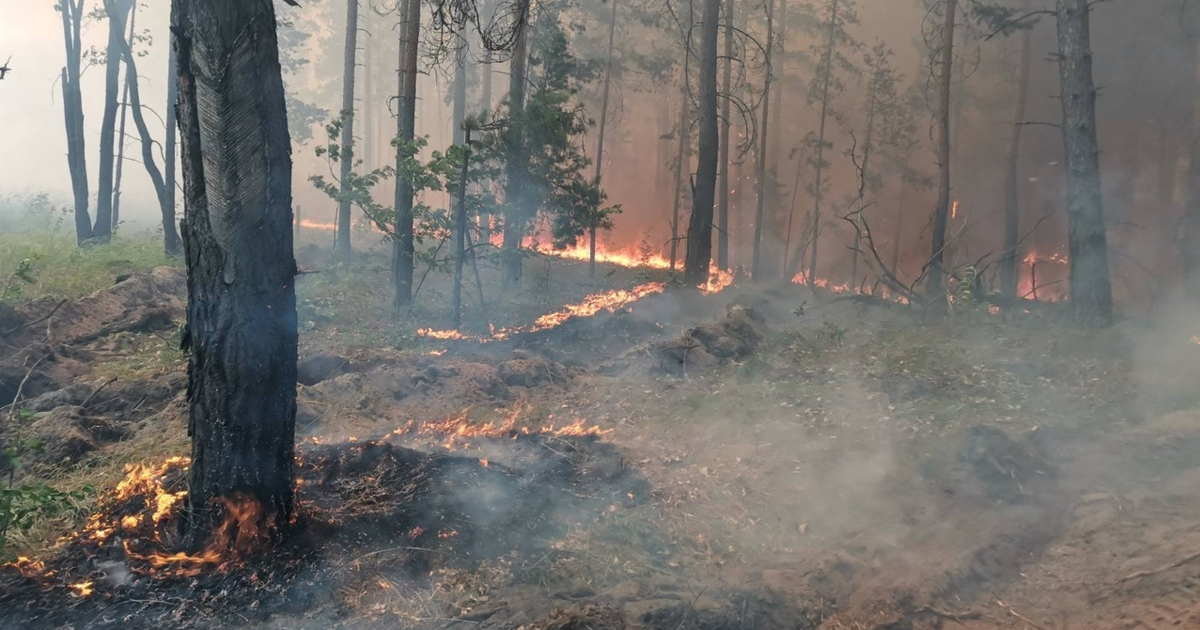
241	314
612	32
72	19
1091	288
726	123
115	10
516	167
830	47
403	262
700	227
756	266
1012	182
941	213
345	255
682	162
171	244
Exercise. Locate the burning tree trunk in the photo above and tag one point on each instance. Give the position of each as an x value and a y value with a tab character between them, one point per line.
756	266
403	263
1012	183
171	244
166	200
517	164
116	197
116	12
237	236
700	227
942	211
726	123
612	31
72	19
1091	288
820	161
346	158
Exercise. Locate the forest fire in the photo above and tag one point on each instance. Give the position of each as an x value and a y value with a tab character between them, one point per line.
455	432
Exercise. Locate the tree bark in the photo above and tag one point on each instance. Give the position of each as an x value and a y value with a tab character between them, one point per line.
1012	181
756	266
1190	244
872	100
460	228
346	161
726	124
72	19
941	214
403	254
817	192
682	162
120	169
1091	288
115	12
241	314
485	218
612	31
171	243
700	227
516	166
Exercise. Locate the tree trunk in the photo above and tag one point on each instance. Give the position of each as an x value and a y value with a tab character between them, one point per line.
72	18
237	236
516	167
700	227
942	212
116	197
460	227
403	261
346	160
116	12
612	31
1012	182
485	218
726	124
777	69
855	253
682	162
756	265
817	192
1091	288
1190	243
171	244
166	201
368	109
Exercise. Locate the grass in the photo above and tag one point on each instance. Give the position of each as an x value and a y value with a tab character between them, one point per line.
58	268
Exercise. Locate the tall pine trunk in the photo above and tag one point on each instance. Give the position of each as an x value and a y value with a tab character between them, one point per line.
700	227
516	166
1012	180
237	236
726	124
346	159
171	244
403	254
72	19
864	174
120	169
682	162
115	12
1091	288
941	213
612	31
817	186
757	272
485	102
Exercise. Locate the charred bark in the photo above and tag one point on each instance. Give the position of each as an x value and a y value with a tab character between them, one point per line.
726	124
346	159
756	266
116	10
700	227
72	20
403	261
941	213
516	166
1091	288
1012	180
241	315
682	162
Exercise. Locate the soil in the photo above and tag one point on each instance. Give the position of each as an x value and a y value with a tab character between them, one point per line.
760	459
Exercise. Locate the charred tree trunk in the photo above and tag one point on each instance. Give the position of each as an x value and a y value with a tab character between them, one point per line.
700	227
116	197
756	265
941	213
1012	180
1091	288
115	10
237	237
817	192
485	218
72	20
346	158
403	254
726	124
460	230
682	173
517	165
171	244
164	194
612	31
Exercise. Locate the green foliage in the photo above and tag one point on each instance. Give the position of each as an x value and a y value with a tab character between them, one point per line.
357	187
21	276
23	506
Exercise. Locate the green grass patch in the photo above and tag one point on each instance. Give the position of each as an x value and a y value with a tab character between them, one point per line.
37	265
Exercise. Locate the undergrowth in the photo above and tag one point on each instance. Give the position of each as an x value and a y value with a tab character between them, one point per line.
36	265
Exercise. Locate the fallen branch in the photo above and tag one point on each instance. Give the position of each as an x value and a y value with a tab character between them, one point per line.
92	395
1163	569
36	321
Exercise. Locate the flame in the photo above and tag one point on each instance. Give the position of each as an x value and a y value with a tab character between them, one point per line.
954	210
309	224
28	567
1034	258
83	589
455	432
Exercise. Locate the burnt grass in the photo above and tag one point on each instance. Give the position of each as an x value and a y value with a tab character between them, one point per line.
404	512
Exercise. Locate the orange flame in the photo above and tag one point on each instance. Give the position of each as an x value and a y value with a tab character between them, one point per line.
82	589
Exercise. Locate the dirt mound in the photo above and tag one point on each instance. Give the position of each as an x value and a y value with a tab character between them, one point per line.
68	433
735	336
532	371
